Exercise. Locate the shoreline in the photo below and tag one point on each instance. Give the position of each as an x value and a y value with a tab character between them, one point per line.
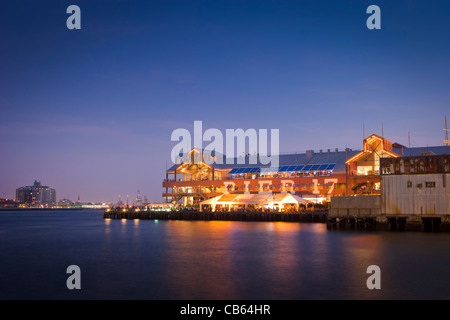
49	209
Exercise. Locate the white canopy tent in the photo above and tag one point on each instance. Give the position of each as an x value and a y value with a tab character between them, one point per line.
273	201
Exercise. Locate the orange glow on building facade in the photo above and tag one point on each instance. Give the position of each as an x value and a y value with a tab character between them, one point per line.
363	169
315	176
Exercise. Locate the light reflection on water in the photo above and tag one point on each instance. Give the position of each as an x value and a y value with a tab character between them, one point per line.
133	259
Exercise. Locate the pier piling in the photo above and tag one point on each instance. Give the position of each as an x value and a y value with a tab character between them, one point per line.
309	216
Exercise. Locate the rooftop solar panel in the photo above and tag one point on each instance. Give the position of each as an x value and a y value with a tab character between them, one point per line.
315	167
323	167
331	166
234	170
291	168
283	168
307	167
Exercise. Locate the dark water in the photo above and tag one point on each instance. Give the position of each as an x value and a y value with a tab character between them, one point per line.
131	259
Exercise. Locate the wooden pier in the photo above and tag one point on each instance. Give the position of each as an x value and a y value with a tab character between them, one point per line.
307	216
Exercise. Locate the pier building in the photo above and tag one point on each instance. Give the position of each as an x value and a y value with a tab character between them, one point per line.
414	196
315	176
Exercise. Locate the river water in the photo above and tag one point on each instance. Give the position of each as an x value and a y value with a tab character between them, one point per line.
167	260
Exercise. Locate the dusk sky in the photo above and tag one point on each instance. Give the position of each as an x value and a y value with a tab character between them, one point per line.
90	112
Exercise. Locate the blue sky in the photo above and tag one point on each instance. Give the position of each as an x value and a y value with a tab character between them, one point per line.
90	112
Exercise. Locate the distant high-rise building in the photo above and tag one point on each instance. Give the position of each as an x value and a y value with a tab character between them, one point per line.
36	194
138	199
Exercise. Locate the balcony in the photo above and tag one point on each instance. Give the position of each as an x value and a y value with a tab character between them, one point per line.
360	173
257	176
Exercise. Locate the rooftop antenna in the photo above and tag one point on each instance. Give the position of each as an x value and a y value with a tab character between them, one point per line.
409	139
446	141
364	132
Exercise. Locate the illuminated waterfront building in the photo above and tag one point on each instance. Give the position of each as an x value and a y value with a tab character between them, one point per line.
36	195
314	175
65	203
8	203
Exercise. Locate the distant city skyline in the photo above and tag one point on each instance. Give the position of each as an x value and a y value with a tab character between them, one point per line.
90	112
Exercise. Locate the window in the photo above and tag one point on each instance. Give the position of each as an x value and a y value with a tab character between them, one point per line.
386	170
430	184
364	170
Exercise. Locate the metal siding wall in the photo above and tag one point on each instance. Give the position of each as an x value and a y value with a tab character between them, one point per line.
397	198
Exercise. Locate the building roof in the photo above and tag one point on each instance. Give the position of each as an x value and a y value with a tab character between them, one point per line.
419	151
243	199
325	157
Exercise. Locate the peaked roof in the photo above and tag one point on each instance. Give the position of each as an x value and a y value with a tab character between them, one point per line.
259	198
365	153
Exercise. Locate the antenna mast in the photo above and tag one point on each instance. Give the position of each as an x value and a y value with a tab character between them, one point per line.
446	141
